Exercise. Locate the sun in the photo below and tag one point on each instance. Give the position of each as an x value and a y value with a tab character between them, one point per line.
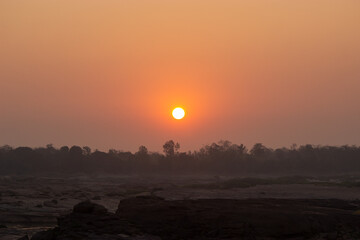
178	113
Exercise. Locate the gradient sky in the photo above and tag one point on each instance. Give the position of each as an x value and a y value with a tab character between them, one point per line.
107	73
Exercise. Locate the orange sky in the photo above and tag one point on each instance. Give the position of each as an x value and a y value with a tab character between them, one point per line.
107	73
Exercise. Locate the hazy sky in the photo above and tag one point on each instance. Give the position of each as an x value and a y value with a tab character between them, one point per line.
107	73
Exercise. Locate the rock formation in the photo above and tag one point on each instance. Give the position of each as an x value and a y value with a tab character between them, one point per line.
153	218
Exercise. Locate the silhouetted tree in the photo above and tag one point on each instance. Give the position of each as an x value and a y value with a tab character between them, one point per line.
75	161
86	151
143	151
64	149
142	159
170	147
258	150
218	158
76	151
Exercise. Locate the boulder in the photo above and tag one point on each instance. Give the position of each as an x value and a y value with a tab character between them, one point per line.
88	207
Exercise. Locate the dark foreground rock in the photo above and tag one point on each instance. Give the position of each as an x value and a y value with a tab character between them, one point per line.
24	238
89	221
150	218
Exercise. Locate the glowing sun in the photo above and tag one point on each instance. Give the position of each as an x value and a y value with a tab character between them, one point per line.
178	113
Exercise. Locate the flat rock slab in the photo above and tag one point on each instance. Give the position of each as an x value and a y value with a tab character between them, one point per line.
156	218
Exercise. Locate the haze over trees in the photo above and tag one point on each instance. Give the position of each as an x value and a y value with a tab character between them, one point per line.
222	157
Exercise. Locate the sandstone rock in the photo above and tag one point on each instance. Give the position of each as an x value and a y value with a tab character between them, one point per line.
96	198
26	237
52	203
45	235
153	218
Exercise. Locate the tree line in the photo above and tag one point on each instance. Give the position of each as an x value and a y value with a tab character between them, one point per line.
222	157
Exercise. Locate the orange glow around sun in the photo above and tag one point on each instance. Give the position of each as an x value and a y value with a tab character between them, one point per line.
178	113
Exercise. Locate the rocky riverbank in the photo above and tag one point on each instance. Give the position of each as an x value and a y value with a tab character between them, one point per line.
153	218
